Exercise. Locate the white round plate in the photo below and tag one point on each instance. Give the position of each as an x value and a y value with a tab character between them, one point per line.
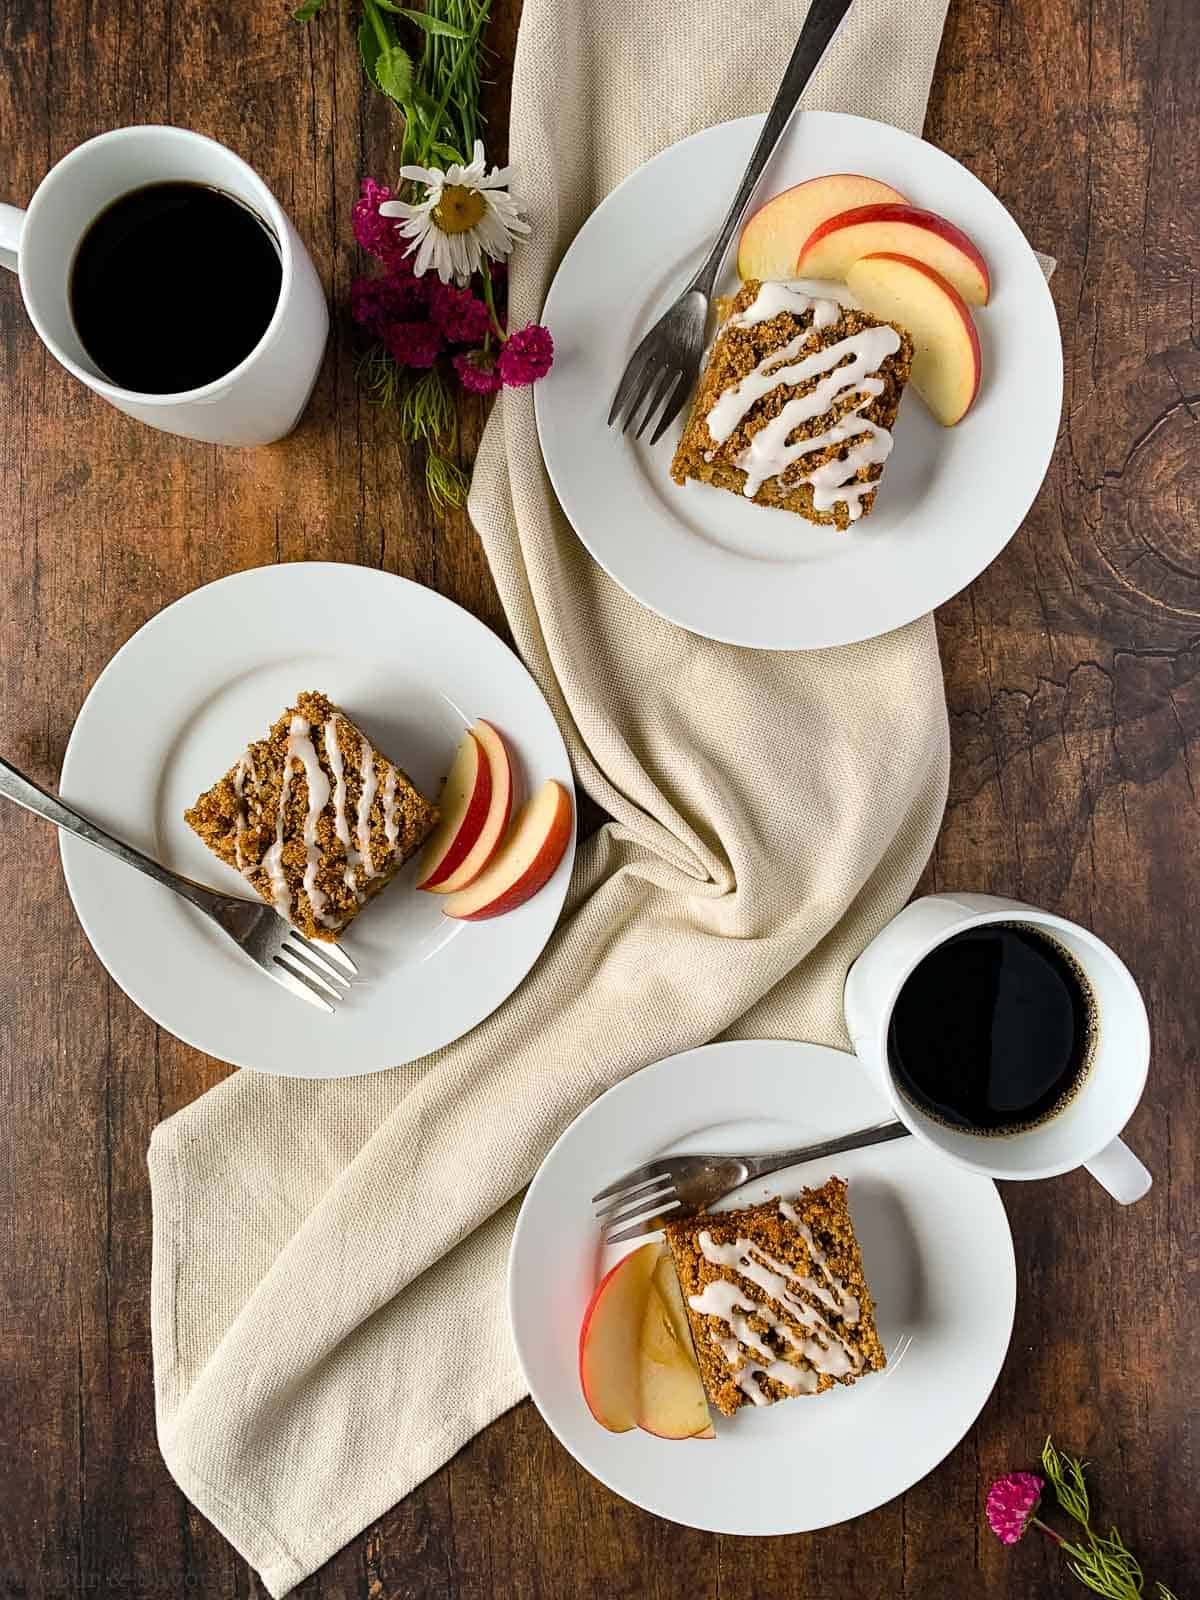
937	1254
171	713
950	499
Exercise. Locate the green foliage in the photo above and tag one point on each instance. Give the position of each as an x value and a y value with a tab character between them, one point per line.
1103	1562
379	375
426	412
425	20
427	63
394	73
368	51
1066	1478
445	481
437	87
423	404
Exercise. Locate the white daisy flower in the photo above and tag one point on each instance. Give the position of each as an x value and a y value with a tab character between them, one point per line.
467	213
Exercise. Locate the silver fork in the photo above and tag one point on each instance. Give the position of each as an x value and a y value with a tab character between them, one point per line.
319	974
675	1187
662	371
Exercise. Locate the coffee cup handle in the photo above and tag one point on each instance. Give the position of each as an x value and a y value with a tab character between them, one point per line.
12	220
1120	1172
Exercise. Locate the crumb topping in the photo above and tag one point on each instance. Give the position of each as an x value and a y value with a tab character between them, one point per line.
314	818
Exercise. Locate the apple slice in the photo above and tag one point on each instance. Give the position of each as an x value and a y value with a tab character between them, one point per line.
836	244
465	801
666	1281
534	847
671	1401
946	364
609	1354
773	237
491	832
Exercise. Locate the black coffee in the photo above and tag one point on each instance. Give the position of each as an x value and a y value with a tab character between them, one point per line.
172	286
993	1032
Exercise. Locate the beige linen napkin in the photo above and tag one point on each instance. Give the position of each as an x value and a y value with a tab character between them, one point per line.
328	1281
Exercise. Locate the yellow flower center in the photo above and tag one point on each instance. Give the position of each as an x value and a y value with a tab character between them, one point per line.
458	209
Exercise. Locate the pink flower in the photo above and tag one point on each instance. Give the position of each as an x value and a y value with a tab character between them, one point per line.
462	317
378	302
477	371
527	356
1011	1504
413	344
377	235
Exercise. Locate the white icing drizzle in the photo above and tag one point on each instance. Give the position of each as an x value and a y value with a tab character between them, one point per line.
359	855
244	770
366	798
824	1348
840	1298
333	754
301	747
844	369
391	822
800	1380
861	353
834	480
774	298
281	897
725	1299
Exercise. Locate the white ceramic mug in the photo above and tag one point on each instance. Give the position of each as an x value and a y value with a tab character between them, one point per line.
261	398
1084	1133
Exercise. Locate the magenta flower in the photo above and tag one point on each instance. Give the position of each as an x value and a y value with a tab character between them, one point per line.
1012	1503
462	317
527	356
376	234
413	344
375	303
477	371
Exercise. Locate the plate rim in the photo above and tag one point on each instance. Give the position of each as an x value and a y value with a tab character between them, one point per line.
837	637
73	851
626	1086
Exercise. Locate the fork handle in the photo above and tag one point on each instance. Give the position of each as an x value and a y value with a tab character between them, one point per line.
822	22
16	786
776	1160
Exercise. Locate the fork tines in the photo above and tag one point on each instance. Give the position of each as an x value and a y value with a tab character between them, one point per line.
316	972
648	384
624	1210
663	368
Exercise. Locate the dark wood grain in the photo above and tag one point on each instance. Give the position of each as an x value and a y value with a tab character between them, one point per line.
1073	675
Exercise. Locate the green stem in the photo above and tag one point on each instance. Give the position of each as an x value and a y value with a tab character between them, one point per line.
1046	1529
372	13
485	268
435	122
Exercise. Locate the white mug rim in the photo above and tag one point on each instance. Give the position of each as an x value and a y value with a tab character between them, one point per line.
275	215
979	919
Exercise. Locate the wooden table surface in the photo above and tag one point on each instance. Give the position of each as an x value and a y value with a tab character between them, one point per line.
1073	675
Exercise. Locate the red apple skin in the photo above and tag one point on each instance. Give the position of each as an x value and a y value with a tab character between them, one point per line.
675	1438
491	836
960	306
470	824
537	872
899	213
628	1263
750	254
